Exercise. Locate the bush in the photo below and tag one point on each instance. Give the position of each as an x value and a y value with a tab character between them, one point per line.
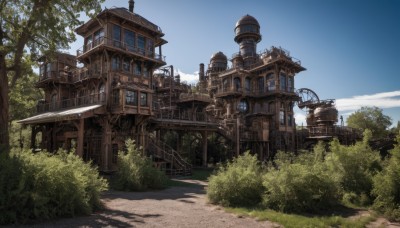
386	186
136	172
299	184
238	183
44	186
353	168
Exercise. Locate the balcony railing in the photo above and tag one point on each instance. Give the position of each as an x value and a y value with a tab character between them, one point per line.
257	92
194	96
104	41
72	103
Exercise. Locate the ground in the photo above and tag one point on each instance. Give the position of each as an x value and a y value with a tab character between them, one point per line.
184	206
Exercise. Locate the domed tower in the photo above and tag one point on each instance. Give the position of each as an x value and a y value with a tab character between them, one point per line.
247	35
218	62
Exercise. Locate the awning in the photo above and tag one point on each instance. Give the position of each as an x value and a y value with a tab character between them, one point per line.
70	114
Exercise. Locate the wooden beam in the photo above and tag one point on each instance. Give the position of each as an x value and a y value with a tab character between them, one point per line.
81	131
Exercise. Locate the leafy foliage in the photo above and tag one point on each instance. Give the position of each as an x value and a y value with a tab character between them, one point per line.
238	183
353	168
136	171
371	118
300	183
386	186
44	186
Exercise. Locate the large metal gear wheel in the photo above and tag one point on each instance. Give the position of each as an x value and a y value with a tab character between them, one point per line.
307	98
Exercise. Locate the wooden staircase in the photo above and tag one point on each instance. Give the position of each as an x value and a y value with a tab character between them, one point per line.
167	159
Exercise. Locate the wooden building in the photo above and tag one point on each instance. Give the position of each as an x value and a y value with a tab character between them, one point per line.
118	87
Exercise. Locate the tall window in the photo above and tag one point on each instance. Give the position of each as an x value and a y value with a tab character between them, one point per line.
247	84
282	117
88	43
138	68
145	71
115	63
102	90
282	81
236	82
115	97
141	44
117	36
131	98
126	65
98	37
143	99
271	82
150	47
53	101
290	84
130	40
48	70
290	120
261	84
225	84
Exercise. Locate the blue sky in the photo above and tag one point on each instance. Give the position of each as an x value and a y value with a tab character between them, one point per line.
351	49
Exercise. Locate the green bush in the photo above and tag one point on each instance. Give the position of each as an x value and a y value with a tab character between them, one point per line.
43	186
238	183
136	171
386	186
299	184
353	168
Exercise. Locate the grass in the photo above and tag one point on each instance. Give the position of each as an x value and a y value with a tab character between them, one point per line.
293	220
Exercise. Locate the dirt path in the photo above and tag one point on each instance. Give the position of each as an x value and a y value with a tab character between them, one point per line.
173	207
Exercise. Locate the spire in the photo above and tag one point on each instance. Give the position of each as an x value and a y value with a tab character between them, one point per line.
131	5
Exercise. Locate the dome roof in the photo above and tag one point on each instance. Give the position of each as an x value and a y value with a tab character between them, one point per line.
219	56
247	20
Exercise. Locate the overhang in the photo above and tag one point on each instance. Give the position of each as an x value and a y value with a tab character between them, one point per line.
70	114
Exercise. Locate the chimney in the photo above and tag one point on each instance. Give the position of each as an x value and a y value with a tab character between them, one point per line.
131	5
201	72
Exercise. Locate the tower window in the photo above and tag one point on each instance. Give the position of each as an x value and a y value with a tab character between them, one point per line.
131	98
117	36
143	99
282	81
282	117
247	84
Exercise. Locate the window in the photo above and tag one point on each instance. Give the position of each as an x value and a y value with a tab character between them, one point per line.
53	101
282	117
138	68
247	84
131	98
126	65
225	84
43	70
102	90
116	36
115	63
48	70
143	99
236	82
115	97
290	120
88	43
271	82
98	37
150	47
141	44
261	84
130	40
282	81
145	71
243	106
290	84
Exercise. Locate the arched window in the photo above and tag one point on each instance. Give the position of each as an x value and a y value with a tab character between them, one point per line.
236	82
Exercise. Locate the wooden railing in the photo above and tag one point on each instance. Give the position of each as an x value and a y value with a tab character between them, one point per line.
71	103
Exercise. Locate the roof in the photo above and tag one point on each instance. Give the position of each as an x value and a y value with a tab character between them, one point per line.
70	114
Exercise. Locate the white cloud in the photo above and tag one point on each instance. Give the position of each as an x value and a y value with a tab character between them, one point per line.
300	119
188	78
381	100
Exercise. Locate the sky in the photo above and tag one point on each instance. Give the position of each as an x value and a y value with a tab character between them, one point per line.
350	48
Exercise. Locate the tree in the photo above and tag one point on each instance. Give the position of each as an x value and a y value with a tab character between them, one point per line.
371	118
34	27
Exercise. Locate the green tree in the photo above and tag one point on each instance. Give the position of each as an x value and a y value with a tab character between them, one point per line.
371	118
37	27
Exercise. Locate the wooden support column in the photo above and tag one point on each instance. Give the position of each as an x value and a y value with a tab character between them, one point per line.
179	141
33	137
106	144
81	131
204	137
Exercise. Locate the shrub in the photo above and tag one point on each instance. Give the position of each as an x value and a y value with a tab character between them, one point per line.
136	171
299	184
386	186
44	186
353	168
238	183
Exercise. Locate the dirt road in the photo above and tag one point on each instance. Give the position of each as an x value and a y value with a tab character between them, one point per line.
173	207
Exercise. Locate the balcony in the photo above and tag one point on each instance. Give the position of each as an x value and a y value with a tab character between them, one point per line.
84	73
71	103
260	92
187	97
54	76
107	42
